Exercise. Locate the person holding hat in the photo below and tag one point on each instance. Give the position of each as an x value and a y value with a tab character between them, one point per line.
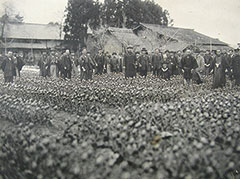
129	63
143	63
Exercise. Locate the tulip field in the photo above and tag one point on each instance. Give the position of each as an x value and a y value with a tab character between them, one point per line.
113	128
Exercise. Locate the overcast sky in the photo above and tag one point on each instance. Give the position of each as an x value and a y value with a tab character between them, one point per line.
216	18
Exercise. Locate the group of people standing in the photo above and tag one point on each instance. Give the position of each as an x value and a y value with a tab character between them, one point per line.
11	65
193	66
67	64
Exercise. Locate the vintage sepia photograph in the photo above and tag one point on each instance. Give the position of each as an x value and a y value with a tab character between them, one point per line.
119	89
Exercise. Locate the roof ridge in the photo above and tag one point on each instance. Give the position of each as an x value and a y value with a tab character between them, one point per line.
163	26
29	23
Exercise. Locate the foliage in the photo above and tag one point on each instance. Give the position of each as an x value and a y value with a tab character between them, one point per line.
82	14
128	129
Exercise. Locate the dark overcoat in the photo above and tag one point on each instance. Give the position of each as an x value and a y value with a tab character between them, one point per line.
236	68
8	66
188	63
130	64
219	66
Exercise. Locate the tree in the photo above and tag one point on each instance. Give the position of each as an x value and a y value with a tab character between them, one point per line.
146	12
81	14
121	13
112	13
10	15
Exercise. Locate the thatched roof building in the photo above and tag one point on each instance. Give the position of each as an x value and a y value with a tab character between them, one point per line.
115	40
173	38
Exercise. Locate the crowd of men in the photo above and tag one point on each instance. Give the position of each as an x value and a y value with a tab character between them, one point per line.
11	65
193	66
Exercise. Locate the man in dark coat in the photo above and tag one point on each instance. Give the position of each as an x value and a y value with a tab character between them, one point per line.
20	64
207	62
173	64
130	63
219	66
86	66
115	63
156	62
92	66
188	64
165	71
66	64
236	67
8	67
44	65
143	63
100	62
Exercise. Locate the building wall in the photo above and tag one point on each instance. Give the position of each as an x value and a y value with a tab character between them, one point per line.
31	52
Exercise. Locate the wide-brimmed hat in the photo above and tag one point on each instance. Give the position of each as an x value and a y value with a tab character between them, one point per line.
129	47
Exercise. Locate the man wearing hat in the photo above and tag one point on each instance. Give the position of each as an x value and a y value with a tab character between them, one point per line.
100	62
130	63
66	65
8	67
143	63
114	63
86	65
236	67
172	63
156	62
